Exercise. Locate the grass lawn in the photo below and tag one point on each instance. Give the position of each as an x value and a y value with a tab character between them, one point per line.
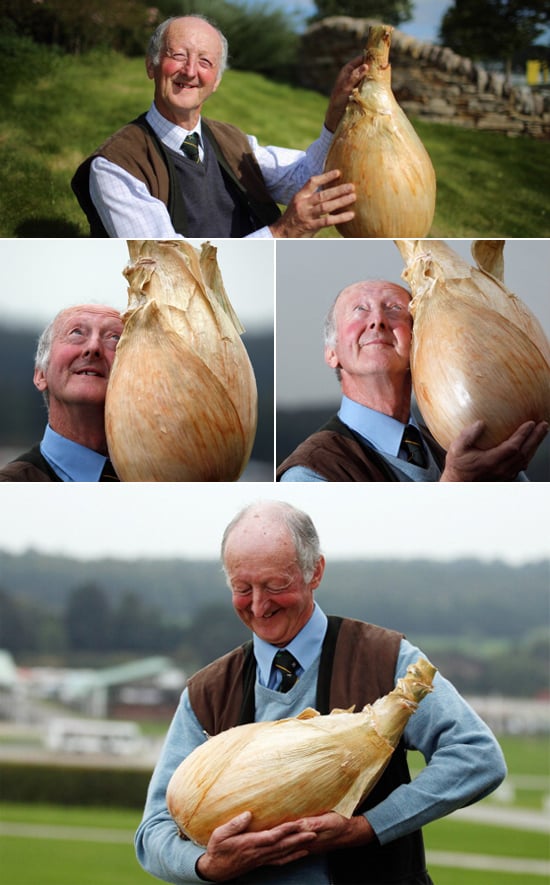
100	851
488	184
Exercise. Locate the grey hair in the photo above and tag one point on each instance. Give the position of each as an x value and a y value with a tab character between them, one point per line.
43	354
44	346
302	531
156	42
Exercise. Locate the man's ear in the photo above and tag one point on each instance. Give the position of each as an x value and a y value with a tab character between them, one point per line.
331	358
39	380
150	68
318	573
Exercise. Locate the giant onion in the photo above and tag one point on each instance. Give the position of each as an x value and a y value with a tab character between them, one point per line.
478	353
281	771
181	399
376	147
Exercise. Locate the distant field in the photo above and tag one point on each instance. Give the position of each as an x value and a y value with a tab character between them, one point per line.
54	845
488	185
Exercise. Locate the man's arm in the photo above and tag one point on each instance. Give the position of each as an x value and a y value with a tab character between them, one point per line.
464	764
124	204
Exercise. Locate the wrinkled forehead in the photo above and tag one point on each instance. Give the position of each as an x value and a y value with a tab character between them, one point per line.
187	33
92	314
374	290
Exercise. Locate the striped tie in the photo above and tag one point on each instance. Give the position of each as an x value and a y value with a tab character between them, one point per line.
287	664
412	444
190	146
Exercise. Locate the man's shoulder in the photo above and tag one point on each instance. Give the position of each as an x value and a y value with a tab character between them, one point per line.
28	467
224	667
334	452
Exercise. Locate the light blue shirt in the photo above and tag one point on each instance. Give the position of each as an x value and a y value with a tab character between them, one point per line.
384	434
71	461
464	763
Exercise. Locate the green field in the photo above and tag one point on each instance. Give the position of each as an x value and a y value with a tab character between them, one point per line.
488	184
55	845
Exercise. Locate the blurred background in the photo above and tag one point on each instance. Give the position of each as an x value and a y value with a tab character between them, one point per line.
43	276
109	602
309	277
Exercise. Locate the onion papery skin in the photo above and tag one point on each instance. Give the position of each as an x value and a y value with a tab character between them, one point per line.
477	351
376	148
291	768
181	401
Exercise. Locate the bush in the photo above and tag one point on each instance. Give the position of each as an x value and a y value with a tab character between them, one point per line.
73	785
262	38
76	27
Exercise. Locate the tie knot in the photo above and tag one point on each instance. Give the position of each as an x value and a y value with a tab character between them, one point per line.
108	473
286	663
190	146
413	446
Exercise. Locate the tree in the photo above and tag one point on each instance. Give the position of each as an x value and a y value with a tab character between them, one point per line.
495	30
88	619
390	12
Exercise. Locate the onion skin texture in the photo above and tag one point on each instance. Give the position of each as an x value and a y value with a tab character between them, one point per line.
376	148
181	401
322	763
477	352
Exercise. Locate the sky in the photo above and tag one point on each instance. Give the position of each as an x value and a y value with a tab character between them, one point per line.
366	521
41	276
424	25
309	276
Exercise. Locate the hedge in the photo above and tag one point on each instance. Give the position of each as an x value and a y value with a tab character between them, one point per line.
73	785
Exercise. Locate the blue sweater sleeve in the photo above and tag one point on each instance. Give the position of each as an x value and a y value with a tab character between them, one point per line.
464	762
159	848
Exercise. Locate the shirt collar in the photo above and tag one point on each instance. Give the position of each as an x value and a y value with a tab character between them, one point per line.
169	133
305	646
381	431
71	461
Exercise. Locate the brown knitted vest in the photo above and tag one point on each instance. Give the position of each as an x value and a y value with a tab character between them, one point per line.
340	455
357	666
137	150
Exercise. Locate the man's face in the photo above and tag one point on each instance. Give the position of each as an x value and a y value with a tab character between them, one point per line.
188	71
82	353
373	330
269	593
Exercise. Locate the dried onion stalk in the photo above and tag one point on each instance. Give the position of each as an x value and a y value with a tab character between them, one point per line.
322	763
376	147
478	353
181	402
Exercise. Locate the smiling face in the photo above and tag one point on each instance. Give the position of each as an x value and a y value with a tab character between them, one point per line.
189	70
83	348
269	592
373	329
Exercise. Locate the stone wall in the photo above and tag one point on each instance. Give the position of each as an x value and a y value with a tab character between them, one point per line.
429	81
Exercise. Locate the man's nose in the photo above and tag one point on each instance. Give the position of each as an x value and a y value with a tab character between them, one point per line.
93	346
189	66
377	320
260	603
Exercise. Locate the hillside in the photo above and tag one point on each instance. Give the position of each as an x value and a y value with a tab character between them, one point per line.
465	614
458	598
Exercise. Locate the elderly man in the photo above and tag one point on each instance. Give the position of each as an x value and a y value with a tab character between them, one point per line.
171	171
273	564
374	437
73	361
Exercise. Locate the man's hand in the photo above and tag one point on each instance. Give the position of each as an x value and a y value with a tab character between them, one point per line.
334	831
466	463
349	77
311	208
233	850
